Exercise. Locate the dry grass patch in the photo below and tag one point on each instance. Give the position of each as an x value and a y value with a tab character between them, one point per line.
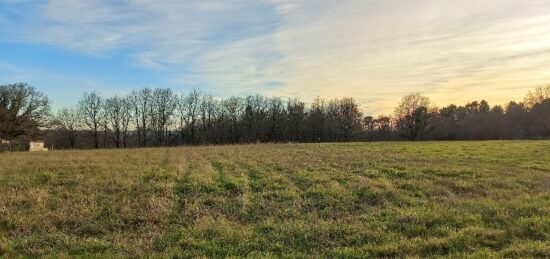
352	200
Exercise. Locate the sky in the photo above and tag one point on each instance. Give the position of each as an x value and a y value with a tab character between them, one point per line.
374	51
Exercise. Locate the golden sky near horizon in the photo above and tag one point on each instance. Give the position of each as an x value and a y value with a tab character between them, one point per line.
451	51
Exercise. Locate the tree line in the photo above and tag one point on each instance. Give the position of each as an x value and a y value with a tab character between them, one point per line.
160	117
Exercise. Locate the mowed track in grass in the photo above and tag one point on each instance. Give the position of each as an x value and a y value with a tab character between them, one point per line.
298	200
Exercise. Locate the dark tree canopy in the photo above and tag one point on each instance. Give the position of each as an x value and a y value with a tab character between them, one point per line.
23	110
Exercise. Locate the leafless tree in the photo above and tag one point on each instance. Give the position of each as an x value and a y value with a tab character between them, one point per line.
207	110
537	96
316	119
135	108
114	114
144	101
296	110
126	119
163	103
91	114
157	117
190	106
350	119
368	123
234	108
411	115
67	120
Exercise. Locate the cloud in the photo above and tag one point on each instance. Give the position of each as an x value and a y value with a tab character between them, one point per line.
378	51
62	89
375	51
165	31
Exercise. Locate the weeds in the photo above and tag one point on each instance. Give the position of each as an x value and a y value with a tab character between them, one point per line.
429	199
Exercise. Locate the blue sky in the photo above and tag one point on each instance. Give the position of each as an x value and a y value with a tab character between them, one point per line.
374	51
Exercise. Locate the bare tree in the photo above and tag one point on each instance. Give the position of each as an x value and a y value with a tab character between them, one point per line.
67	121
254	117
368	124
207	112
411	115
190	105
316	119
135	107
114	116
149	118
91	113
296	120
234	108
537	96
383	127
276	116
126	119
181	113
144	100
350	119
163	103
332	120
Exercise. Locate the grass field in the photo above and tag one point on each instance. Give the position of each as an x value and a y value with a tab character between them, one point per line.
295	200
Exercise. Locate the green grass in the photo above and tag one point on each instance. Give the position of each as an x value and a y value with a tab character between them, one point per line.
427	199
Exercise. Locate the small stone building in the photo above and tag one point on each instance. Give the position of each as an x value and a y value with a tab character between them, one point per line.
35	146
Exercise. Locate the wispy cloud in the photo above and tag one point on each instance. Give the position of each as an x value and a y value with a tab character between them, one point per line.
379	50
63	89
375	51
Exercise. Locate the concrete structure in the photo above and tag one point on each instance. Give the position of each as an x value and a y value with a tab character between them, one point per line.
4	142
35	146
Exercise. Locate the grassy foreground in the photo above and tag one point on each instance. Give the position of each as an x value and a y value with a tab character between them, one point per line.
296	200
